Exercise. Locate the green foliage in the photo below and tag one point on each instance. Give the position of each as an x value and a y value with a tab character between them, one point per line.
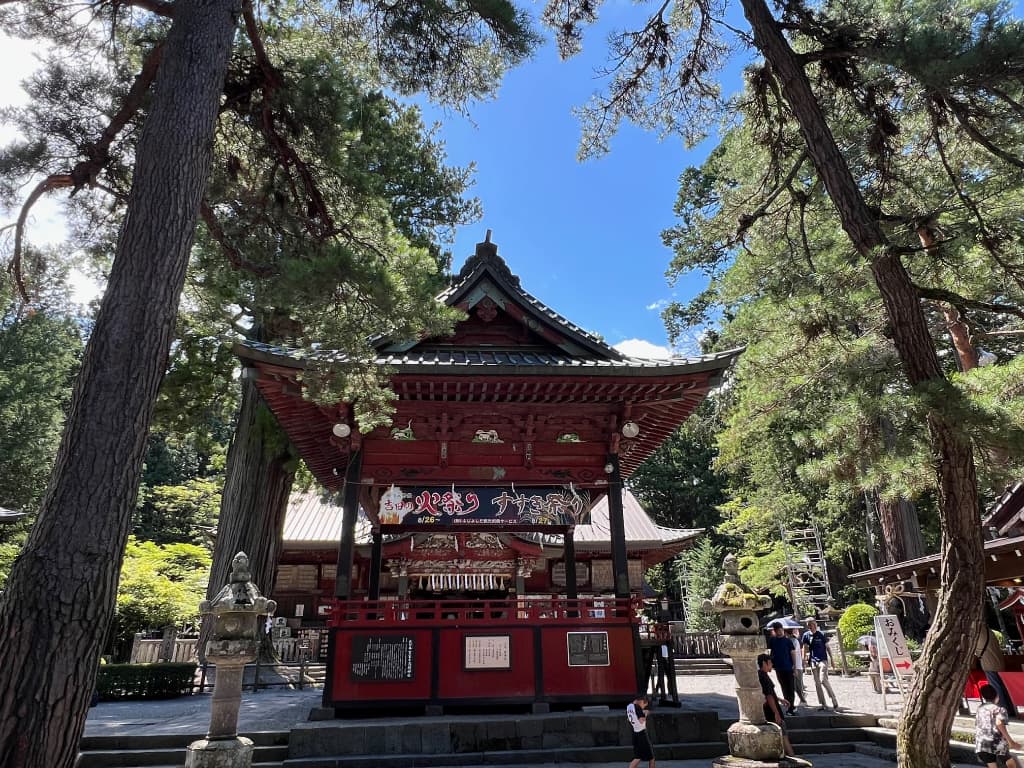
678	484
704	566
160	585
39	351
762	561
183	513
858	619
145	681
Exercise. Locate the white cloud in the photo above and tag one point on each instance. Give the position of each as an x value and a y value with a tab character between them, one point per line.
642	348
659	304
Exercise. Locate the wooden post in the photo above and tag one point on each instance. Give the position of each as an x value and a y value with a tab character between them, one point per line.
569	557
349	515
375	565
617	527
842	653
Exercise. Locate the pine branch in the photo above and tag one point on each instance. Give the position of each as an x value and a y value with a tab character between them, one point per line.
747	220
962	302
235	257
85	172
960	112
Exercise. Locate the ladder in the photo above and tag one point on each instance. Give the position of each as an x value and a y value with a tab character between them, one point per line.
806	570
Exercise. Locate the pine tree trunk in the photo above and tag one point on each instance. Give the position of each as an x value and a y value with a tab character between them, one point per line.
258	480
59	600
922	739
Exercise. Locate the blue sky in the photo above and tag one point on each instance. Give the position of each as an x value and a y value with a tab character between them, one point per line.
585	238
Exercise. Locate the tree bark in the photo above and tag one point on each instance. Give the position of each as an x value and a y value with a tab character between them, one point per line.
922	739
60	598
257	482
959	333
901	532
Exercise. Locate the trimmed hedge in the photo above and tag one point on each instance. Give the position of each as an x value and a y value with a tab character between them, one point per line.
857	620
145	681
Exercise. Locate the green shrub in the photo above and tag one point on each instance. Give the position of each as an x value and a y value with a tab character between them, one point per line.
145	681
857	620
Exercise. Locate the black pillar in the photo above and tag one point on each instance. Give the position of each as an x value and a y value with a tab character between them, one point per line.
375	565
620	566
569	557
349	514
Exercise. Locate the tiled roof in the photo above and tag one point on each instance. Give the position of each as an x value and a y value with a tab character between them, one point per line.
487	262
313	519
454	361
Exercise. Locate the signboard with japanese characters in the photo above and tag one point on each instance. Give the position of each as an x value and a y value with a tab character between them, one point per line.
893	644
588	649
486	652
382	657
454	505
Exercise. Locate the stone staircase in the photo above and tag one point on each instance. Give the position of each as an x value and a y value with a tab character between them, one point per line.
163	751
500	740
694	666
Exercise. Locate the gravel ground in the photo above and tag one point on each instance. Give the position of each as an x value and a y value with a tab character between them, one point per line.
718	692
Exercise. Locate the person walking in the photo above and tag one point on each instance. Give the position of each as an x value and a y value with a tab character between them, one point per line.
798	667
783	661
992	742
818	656
636	714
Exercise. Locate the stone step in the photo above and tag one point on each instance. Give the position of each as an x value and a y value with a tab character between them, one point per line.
173	740
160	750
144	758
885	738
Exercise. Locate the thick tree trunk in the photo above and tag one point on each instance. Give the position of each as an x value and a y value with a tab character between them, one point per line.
258	480
922	740
59	601
901	532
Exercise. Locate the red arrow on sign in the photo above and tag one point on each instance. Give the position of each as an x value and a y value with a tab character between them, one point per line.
904	665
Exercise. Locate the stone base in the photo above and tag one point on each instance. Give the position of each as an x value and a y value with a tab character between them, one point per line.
730	761
755	742
220	753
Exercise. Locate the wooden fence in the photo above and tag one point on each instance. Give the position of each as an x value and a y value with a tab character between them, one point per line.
290	650
699	645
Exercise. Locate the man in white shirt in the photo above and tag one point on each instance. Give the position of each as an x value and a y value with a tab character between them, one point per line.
798	668
636	713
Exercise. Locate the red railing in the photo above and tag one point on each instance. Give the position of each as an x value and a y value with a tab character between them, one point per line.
529	611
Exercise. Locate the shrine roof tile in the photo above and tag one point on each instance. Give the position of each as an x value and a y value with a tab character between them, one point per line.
499	361
486	263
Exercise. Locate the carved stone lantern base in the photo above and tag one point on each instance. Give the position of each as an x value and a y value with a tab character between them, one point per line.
760	741
730	761
219	753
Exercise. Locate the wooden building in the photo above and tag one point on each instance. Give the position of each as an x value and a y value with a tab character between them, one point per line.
505	436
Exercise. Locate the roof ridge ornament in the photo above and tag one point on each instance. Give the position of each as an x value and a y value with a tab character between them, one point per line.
487	254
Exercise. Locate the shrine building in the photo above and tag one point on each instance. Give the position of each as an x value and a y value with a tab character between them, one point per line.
483	555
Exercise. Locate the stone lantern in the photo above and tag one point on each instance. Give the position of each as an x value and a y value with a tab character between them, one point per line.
752	740
236	611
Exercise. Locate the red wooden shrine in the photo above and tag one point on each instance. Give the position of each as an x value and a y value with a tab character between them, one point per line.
516	423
